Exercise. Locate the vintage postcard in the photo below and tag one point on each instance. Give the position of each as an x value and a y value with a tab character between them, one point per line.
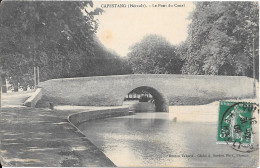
129	83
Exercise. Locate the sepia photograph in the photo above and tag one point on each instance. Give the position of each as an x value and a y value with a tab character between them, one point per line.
130	83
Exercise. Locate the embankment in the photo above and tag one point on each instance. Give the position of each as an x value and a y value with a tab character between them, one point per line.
77	118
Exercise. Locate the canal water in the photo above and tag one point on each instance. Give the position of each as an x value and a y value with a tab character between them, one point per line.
159	139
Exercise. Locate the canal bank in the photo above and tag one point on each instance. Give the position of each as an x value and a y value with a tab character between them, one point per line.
36	137
166	140
183	137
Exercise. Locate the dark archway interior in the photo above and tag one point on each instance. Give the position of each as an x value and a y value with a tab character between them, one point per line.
159	101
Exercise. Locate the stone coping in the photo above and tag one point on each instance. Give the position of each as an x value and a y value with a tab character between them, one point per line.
81	117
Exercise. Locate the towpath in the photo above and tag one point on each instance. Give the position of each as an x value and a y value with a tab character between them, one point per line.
38	137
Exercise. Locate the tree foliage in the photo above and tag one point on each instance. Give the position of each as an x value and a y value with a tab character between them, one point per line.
59	37
53	35
155	55
220	40
108	62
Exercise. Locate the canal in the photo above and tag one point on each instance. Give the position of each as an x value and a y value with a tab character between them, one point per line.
160	139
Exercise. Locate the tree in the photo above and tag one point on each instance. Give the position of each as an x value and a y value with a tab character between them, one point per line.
57	36
107	62
155	55
220	40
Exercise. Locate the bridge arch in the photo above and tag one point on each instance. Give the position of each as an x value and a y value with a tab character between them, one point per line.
160	101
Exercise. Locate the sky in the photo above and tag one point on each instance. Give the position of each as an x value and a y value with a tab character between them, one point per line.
121	28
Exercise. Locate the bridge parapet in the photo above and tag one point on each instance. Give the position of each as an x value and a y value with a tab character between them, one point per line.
173	89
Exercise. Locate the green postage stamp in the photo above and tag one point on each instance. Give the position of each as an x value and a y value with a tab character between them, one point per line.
238	125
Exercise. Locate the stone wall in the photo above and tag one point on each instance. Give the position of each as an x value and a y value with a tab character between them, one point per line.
143	107
32	101
81	117
173	89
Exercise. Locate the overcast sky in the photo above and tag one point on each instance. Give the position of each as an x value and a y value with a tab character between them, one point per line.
120	28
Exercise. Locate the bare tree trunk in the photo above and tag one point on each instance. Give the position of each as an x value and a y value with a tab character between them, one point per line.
35	78
15	85
38	75
3	83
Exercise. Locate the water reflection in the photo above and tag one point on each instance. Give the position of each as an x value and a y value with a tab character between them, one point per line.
155	139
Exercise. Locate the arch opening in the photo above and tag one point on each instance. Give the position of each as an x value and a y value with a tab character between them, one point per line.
149	95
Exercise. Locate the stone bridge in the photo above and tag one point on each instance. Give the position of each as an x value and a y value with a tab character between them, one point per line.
165	89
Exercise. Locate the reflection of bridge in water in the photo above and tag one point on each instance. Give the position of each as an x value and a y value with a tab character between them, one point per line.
165	89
